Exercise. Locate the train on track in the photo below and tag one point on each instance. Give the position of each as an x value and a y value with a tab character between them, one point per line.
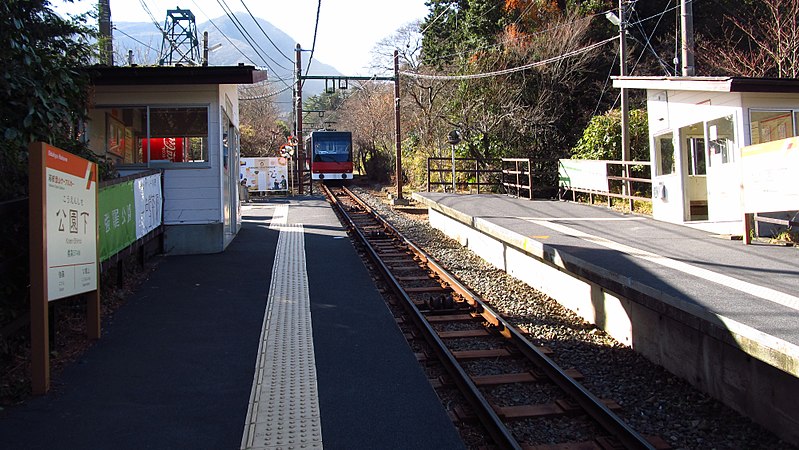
330	155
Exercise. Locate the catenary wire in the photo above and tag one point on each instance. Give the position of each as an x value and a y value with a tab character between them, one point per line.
313	44
247	36
264	32
511	70
224	35
135	40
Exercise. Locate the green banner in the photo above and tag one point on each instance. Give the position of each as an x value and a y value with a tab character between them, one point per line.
117	221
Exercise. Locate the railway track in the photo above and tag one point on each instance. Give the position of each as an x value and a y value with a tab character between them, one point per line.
511	385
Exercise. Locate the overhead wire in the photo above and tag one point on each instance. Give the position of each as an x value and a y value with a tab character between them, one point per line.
245	39
648	43
523	36
264	32
268	95
511	70
135	40
607	80
435	20
224	35
247	36
150	13
315	30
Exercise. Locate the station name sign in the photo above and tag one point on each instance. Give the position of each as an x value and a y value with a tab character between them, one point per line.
71	223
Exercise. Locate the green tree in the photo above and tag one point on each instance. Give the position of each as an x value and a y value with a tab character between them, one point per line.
44	84
602	137
45	92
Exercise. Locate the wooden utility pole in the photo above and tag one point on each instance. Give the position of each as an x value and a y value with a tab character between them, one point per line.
687	37
107	44
625	108
298	134
398	138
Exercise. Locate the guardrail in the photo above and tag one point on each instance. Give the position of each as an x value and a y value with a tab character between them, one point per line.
606	178
530	175
518	177
463	175
751	219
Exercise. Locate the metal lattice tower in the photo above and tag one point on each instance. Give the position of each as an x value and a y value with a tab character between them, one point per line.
180	44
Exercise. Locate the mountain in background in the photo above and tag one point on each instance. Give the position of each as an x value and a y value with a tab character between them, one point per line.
145	41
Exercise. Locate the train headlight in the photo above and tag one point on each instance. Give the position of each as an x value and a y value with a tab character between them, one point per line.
343	176
321	176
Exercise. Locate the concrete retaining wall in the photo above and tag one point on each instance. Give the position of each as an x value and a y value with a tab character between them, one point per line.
742	367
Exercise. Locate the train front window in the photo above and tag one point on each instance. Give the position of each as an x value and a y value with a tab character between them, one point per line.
331	151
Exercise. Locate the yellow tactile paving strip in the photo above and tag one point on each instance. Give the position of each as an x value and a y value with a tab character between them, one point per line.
284	404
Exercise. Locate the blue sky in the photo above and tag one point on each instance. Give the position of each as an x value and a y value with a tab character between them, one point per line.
348	29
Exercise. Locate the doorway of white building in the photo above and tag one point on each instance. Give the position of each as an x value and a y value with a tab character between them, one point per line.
694	158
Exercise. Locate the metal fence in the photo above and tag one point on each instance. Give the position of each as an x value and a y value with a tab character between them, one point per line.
517	177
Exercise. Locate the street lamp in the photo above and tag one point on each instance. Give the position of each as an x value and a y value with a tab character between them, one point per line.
454	139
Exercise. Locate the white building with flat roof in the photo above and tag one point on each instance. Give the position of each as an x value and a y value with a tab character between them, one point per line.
698	127
185	121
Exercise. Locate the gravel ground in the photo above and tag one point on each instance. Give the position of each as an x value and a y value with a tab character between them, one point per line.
653	401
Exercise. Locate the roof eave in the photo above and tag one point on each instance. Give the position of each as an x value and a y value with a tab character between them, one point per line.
174	75
710	84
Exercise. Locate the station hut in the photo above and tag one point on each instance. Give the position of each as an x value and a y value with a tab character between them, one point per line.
698	127
184	120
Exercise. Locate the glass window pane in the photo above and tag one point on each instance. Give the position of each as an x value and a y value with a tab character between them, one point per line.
766	126
179	134
664	147
117	132
721	134
696	156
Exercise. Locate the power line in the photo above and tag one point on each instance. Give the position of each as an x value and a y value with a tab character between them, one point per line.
315	29
435	20
224	35
136	40
648	43
511	70
521	36
247	36
271	94
264	32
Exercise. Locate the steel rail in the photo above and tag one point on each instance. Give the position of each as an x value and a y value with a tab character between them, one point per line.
483	410
594	406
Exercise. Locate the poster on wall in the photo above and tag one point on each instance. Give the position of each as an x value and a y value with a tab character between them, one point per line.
265	174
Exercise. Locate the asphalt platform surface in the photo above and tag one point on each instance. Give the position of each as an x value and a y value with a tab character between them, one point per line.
174	367
695	266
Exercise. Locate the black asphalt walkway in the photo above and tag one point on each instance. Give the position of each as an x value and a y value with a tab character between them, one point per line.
174	368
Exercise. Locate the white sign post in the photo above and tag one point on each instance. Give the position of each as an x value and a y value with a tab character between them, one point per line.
63	245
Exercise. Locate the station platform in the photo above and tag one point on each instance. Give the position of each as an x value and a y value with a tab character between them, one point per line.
721	314
280	341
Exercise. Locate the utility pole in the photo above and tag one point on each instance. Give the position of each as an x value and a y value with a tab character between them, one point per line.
687	37
625	108
300	143
106	39
397	127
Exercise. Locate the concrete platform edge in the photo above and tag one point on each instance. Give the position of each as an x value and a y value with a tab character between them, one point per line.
745	368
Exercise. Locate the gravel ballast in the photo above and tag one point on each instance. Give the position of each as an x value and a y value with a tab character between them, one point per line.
653	401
